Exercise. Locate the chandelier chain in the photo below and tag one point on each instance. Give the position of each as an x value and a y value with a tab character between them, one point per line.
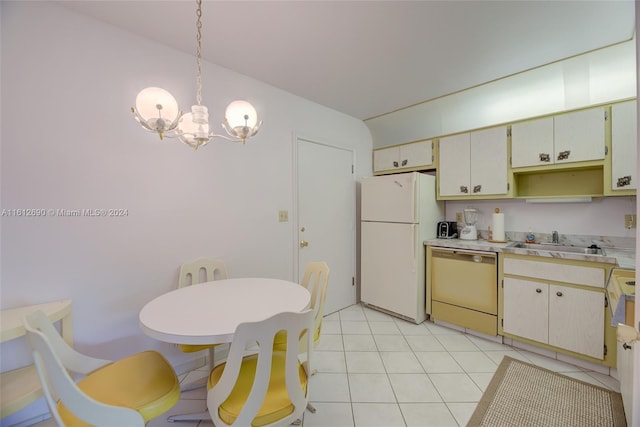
198	52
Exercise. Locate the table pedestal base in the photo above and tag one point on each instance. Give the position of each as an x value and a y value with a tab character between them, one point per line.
199	416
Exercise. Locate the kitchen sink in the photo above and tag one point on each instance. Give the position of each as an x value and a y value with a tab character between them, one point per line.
554	247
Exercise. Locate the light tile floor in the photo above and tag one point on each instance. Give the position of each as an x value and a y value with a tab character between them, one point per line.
377	370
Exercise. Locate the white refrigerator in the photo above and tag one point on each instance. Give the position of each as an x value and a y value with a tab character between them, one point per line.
398	213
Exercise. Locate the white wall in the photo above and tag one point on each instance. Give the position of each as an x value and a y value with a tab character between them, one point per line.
69	141
593	78
601	217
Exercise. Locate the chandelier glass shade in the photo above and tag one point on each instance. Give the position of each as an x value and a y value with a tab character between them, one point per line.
157	111
241	120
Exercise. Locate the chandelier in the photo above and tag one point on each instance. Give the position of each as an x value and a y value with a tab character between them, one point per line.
157	111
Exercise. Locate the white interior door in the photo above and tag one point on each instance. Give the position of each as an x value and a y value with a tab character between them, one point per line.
326	194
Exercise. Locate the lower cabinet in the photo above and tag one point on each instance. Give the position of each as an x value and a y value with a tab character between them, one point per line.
564	317
559	304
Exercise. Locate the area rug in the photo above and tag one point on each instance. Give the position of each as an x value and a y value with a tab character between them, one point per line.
521	394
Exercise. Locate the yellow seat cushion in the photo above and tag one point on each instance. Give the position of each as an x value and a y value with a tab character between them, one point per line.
280	339
145	382
277	404
192	348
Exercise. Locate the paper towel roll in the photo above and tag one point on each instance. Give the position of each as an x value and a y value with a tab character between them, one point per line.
498	226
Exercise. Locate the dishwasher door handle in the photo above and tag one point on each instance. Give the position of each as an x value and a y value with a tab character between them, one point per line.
476	257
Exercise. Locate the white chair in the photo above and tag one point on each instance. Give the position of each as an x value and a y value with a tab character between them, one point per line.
269	388
315	280
128	392
191	273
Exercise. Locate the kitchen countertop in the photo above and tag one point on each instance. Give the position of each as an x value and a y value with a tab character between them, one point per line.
622	257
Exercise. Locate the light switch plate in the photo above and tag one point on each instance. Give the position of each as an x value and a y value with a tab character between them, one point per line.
283	216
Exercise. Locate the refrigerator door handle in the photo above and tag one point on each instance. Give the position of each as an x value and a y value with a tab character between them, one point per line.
413	242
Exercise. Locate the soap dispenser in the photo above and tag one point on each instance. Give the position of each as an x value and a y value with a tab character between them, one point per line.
530	238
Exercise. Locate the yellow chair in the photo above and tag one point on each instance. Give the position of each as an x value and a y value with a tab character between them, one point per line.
269	388
128	392
315	279
191	274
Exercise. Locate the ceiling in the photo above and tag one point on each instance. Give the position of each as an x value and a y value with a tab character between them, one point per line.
367	58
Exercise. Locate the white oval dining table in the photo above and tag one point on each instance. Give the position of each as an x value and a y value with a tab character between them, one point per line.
210	312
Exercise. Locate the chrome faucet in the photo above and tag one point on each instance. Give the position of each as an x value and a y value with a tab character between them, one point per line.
554	237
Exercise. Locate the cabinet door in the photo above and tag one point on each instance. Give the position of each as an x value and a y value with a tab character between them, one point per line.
576	320
532	143
624	138
386	159
579	136
454	168
489	161
526	309
626	368
416	154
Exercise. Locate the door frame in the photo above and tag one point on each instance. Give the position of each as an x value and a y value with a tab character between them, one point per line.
295	139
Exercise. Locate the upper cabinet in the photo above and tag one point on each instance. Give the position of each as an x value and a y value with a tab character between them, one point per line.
584	153
474	164
624	138
565	138
404	158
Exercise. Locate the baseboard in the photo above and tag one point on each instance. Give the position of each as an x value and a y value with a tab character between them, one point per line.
596	367
29	422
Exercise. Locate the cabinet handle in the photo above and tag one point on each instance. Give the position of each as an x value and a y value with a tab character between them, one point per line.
564	155
464	189
559	293
545	157
395	164
404	162
626	346
538	290
623	181
477	189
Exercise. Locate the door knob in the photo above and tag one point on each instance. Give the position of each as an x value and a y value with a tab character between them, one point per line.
304	243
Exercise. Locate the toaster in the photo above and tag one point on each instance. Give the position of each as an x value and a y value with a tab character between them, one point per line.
447	230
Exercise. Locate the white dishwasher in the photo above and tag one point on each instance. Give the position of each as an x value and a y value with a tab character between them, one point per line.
464	288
